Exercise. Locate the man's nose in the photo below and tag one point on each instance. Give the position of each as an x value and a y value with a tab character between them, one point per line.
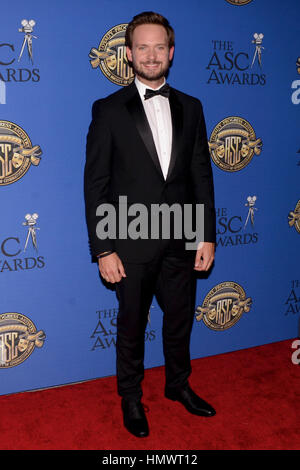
151	54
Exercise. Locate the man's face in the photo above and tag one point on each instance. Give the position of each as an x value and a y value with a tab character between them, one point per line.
23	344
150	54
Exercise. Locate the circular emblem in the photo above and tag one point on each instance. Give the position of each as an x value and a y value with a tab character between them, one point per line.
16	153
223	306
111	56
18	338
298	65
294	217
238	2
233	143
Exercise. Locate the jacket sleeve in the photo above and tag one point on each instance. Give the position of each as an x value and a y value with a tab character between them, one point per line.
97	176
202	178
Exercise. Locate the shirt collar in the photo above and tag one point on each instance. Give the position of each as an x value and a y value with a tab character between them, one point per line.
142	87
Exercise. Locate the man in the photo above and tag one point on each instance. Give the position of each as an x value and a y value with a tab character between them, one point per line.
151	148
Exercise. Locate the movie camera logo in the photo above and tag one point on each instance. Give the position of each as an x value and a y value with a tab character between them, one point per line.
111	56
239	2
105	332
12	249
292	303
234	230
229	67
9	55
296	86
223	306
18	339
233	143
294	217
16	153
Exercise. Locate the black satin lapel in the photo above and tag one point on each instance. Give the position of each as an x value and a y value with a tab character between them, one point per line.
136	109
177	123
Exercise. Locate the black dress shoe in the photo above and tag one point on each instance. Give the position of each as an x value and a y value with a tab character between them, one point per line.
135	420
191	401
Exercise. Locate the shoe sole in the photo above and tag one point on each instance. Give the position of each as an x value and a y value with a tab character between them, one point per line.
146	434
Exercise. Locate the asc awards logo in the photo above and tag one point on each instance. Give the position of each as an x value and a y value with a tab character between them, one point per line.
232	65
18	338
292	302
223	306
9	53
14	247
235	228
111	56
294	217
233	143
105	333
16	153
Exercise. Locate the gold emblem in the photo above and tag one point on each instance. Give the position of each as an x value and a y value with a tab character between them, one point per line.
233	143
16	153
18	338
223	306
298	65
239	2
294	217
111	56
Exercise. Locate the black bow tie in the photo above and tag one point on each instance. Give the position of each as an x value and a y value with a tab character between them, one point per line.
164	91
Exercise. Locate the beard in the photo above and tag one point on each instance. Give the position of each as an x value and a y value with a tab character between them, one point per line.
151	75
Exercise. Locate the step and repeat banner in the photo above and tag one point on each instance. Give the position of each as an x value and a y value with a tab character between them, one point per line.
241	58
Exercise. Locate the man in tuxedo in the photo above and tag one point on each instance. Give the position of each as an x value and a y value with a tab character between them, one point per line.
148	142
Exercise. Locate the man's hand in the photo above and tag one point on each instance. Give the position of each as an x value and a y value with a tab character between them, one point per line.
111	268
204	256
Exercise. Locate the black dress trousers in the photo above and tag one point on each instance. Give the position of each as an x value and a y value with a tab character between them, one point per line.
171	278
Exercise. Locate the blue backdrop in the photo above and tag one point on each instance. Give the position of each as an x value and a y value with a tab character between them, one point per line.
57	320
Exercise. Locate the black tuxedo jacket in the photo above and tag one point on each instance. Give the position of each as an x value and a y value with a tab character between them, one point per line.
121	160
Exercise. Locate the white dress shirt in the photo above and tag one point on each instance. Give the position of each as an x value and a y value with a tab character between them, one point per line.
158	113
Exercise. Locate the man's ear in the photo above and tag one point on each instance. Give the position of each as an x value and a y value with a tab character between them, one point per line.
129	54
171	53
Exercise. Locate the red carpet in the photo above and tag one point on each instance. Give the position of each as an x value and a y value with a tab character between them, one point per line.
256	393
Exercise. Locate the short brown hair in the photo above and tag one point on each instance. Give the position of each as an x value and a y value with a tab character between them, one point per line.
149	17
